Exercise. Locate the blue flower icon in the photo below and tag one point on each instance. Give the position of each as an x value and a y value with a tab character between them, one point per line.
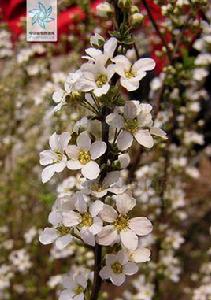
41	15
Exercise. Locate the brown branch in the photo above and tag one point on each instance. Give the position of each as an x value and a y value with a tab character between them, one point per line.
97	279
150	15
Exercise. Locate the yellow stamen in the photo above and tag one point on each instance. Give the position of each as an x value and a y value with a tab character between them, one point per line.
101	80
129	74
131	125
86	220
63	230
117	268
121	223
84	157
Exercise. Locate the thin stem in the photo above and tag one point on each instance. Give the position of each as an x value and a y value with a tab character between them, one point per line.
98	249
157	29
97	279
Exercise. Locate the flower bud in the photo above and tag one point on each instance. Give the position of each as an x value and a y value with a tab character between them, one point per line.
125	4
136	19
104	9
134	9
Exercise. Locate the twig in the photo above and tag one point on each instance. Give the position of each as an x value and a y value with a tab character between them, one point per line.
158	30
97	279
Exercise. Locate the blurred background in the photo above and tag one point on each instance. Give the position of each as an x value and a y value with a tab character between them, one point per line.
30	72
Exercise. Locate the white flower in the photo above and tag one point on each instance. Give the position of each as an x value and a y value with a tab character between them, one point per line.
136	121
117	266
130	73
67	185
30	234
75	286
103	9
97	39
83	155
111	183
139	255
95	77
199	74
85	217
55	158
99	56
59	97
21	260
121	226
59	234
70	88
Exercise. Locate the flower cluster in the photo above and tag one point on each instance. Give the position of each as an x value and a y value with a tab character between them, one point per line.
98	212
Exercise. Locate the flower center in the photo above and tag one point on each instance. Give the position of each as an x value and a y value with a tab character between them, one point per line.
116	268
84	157
59	156
101	80
129	74
96	187
75	94
121	223
131	125
86	220
63	230
78	290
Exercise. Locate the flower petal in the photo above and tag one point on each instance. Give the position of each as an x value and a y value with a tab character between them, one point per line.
130	268
105	272
131	109
54	142
71	218
124	203
158	132
96	227
124	160
55	218
108	213
64	139
58	95
130	84
111	178
110	46
144	138
63	241
91	170
118	279
102	90
140	255
80	203
129	239
47	157
96	207
124	140
107	236
72	152
97	149
87	237
48	236
140	225
48	172
144	64
84	141
115	120
74	165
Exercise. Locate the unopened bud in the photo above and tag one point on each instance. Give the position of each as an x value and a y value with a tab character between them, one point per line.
136	19
104	9
134	9
125	4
